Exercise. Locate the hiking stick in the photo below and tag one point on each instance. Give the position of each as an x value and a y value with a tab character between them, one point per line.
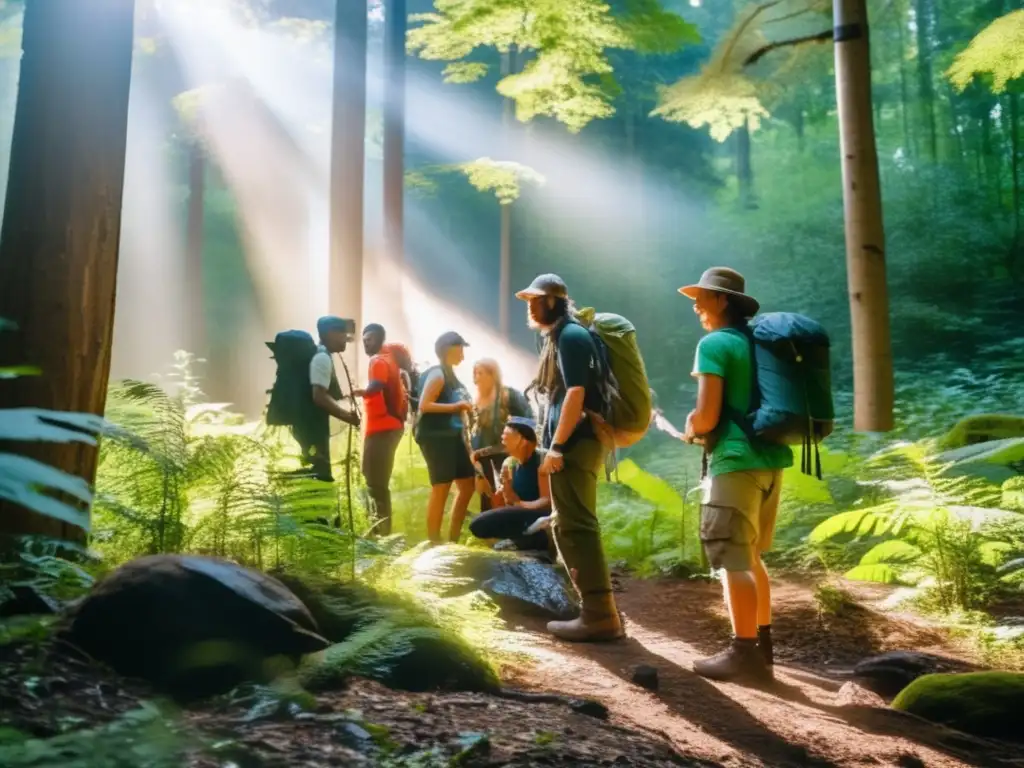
348	463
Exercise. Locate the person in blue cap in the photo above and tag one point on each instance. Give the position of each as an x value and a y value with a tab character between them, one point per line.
522	501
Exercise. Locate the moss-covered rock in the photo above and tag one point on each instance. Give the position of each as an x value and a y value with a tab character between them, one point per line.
409	657
983	428
987	704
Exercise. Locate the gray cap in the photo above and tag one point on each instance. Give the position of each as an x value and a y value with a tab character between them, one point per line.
448	340
330	323
545	285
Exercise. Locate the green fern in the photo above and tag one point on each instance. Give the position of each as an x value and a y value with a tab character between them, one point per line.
33	484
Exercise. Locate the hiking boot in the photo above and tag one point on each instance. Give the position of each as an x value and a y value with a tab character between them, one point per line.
741	661
764	642
598	621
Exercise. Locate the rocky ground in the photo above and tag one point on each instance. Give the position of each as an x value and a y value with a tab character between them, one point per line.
811	716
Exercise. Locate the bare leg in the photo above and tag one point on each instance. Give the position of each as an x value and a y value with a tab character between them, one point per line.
464	490
764	592
741	599
435	510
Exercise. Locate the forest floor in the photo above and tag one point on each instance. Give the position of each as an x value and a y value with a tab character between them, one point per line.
801	720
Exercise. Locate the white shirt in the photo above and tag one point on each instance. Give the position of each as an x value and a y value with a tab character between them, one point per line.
321	369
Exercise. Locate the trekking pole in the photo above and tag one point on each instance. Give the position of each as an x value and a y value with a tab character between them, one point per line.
348	463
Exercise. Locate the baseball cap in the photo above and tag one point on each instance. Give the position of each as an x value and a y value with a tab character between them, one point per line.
448	340
545	285
526	427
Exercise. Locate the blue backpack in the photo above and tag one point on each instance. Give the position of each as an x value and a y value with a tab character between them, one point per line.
791	397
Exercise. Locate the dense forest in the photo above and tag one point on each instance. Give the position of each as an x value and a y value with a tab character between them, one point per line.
185	179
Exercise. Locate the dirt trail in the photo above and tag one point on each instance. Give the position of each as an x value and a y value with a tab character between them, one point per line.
798	721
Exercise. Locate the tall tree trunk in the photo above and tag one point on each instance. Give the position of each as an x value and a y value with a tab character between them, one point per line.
348	136
62	222
508	65
745	168
396	21
926	87
865	236
194	249
1018	243
908	146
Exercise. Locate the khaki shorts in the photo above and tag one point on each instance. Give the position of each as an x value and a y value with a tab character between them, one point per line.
737	520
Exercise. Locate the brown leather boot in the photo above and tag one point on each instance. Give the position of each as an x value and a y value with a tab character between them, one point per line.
598	621
742	661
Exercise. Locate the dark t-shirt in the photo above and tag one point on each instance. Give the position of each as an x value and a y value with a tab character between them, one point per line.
578	363
525	476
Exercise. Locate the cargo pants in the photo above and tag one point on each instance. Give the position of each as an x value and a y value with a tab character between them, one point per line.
574	521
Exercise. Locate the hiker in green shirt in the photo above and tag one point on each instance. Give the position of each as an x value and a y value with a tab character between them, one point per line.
568	380
742	500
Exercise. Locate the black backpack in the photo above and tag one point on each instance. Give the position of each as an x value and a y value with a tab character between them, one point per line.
290	396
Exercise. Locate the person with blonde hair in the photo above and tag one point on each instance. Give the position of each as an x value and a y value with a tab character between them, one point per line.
493	405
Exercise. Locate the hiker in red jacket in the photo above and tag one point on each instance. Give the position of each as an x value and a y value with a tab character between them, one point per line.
386	406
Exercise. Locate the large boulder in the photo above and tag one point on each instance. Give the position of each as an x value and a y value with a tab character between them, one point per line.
889	673
517	584
987	704
192	626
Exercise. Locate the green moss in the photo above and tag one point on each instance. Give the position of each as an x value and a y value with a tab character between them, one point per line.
983	428
984	704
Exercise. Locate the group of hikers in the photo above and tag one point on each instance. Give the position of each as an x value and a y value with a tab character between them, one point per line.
536	473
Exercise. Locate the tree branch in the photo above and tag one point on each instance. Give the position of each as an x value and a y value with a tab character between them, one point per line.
757	55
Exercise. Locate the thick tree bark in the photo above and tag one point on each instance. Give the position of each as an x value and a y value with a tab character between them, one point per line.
865	236
194	249
395	19
348	131
62	222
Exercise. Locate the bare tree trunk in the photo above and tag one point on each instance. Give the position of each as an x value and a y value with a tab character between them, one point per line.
394	143
348	136
865	236
194	249
908	146
926	87
62	223
1015	178
505	259
745	168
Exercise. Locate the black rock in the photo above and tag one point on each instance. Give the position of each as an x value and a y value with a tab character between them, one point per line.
26	600
889	673
646	677
589	707
192	626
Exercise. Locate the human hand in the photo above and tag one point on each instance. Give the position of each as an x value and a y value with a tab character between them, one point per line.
553	463
463	406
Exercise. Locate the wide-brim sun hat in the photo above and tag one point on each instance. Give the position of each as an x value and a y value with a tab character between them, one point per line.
727	281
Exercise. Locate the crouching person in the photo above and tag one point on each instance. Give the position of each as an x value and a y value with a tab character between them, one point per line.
567	378
522	500
741	503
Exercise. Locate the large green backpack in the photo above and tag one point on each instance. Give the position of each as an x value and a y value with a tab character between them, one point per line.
624	386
